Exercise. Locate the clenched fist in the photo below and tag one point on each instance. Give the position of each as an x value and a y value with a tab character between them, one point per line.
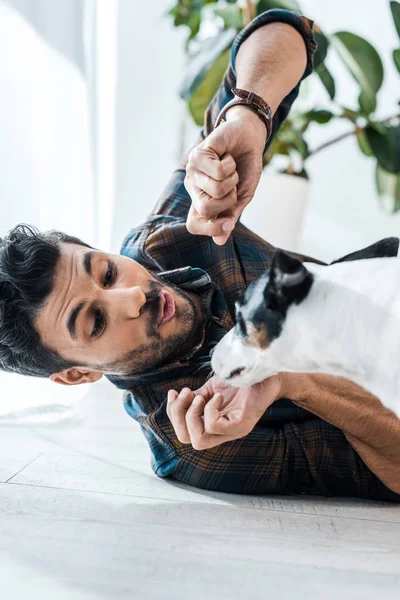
223	172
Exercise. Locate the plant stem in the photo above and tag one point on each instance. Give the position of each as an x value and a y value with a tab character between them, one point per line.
346	135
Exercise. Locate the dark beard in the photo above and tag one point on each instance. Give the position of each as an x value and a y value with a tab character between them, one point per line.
159	352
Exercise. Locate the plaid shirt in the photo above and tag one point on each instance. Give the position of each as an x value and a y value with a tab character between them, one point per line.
290	451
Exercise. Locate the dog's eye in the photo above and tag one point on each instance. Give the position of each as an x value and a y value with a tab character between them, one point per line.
242	324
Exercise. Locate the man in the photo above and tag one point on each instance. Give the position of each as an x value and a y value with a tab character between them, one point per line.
149	318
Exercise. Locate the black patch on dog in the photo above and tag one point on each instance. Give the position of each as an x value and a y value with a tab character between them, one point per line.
387	247
287	282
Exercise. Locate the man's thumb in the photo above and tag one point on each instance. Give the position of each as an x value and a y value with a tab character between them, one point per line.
218	141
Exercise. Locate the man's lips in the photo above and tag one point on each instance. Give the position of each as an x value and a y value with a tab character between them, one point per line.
167	311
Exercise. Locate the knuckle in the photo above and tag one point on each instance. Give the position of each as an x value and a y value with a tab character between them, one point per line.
226	167
217	189
232	195
231	164
220	171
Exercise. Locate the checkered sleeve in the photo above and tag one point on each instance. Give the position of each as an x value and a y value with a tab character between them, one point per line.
175	200
306	457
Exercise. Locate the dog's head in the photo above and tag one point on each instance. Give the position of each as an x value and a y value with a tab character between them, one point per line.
260	318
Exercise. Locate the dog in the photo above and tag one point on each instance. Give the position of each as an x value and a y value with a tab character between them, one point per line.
342	319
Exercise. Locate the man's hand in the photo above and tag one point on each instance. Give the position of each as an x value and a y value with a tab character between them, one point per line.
223	172
218	412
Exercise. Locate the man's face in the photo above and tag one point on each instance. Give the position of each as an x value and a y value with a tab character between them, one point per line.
109	312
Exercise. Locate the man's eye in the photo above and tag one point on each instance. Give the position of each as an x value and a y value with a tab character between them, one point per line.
111	274
98	323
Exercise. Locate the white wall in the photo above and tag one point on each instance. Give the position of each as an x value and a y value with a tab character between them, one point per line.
45	149
150	64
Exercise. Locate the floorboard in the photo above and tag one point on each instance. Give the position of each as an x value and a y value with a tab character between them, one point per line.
84	517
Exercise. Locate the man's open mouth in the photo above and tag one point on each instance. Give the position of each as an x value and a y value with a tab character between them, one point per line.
167	311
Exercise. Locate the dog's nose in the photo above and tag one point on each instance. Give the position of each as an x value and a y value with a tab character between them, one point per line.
235	372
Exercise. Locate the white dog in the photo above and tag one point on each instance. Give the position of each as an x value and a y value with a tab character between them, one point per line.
342	319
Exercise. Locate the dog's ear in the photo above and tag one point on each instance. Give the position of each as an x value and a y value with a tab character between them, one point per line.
288	280
288	271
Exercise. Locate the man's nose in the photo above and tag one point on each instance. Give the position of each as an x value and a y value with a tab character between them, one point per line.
131	300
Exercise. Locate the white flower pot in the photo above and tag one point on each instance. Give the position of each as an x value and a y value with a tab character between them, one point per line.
277	210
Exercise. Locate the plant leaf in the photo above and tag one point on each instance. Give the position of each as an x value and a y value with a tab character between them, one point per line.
364	64
202	95
366	103
322	46
385	144
203	60
388	186
231	15
264	5
363	143
319	115
326	79
395	7
396	58
194	24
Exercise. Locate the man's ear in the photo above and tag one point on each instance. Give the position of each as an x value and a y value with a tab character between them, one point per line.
76	376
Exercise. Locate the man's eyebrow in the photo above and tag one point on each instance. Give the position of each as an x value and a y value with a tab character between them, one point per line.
71	324
87	263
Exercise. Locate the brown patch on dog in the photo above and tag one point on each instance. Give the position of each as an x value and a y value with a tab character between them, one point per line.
257	337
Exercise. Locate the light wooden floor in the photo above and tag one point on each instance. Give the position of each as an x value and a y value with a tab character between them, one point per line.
83	517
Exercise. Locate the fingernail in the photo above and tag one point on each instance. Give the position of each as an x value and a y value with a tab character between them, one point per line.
197	400
227	226
170	396
183	393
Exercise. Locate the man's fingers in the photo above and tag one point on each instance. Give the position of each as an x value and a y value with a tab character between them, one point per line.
195	425
214	422
214	188
205	204
221	240
177	407
212	227
205	159
210	208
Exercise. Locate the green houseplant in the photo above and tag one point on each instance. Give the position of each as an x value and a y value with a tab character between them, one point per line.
212	26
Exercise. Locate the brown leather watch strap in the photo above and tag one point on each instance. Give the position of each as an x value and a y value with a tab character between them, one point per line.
252	101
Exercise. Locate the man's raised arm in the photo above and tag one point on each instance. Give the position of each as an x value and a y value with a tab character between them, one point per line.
269	57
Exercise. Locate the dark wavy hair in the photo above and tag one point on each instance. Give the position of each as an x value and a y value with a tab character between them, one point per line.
28	264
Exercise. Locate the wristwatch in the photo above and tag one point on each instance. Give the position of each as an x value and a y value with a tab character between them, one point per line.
252	101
